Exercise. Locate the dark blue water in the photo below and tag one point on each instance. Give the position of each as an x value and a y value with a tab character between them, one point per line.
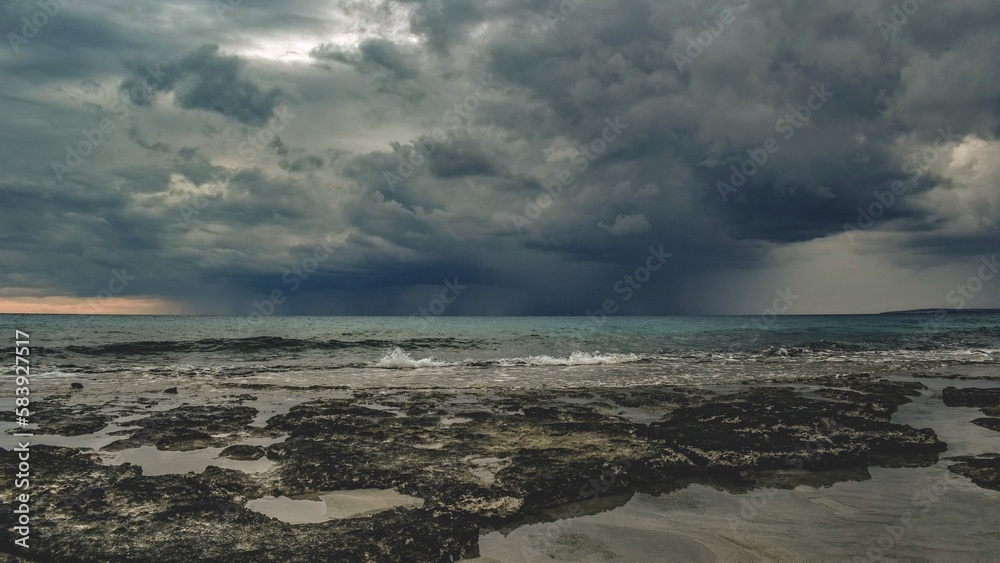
473	351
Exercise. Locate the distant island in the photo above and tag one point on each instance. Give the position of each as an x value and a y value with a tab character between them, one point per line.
943	310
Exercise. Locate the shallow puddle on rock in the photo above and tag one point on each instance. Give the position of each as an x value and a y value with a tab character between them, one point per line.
94	441
948	519
485	467
449	420
362	502
270	404
333	505
385	408
157	462
433	446
484	475
953	425
905	513
633	414
292	511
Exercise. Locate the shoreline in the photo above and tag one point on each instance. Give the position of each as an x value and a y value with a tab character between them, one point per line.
458	465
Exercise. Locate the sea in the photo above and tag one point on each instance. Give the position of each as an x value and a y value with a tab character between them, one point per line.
461	352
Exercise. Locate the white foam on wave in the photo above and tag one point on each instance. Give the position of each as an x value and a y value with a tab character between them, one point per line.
57	373
574	359
396	358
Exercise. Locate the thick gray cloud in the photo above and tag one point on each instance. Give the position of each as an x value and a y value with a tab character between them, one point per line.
354	155
204	79
372	54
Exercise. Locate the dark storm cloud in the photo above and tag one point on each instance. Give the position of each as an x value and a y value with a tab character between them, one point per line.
607	129
444	21
461	156
394	69
205	79
373	54
302	164
138	138
822	173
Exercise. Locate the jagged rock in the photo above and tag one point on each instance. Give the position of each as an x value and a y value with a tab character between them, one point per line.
537	451
990	423
190	428
984	470
971	397
76	420
244	453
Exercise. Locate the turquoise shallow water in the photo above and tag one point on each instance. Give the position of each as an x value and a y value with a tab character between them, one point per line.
484	351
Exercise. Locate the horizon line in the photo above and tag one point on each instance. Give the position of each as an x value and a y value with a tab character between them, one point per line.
927	311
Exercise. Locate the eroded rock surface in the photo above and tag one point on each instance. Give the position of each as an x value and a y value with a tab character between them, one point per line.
984	470
92	512
190	428
986	400
971	397
477	458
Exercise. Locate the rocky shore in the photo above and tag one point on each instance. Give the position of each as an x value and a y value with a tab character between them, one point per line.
477	459
984	469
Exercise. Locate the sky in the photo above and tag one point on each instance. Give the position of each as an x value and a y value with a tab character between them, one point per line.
501	157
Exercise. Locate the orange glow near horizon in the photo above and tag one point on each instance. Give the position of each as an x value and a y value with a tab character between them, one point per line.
59	305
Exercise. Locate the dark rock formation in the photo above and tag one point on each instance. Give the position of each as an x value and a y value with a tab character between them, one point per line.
77	420
990	423
242	452
488	458
92	512
984	470
971	397
190	428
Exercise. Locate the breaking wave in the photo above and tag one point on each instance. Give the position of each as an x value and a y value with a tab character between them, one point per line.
396	358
